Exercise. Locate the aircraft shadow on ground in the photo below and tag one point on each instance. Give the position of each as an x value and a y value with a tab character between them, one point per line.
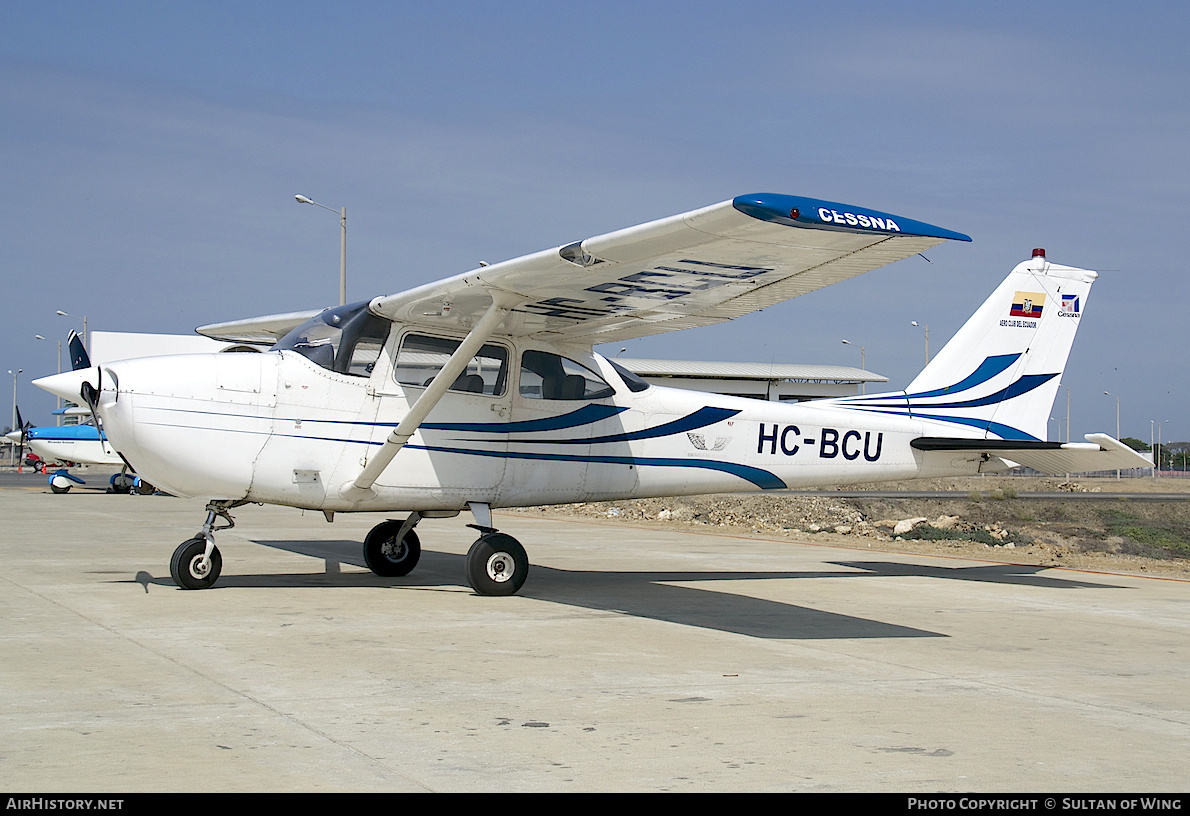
654	595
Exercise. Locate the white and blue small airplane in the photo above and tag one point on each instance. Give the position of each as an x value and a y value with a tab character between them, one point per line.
482	390
82	444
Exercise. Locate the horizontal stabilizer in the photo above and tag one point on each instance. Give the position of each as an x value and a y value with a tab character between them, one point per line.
1099	452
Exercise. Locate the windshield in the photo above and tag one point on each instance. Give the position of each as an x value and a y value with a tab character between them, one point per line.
346	339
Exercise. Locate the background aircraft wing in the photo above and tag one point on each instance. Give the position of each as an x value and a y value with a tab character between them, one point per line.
693	269
266	329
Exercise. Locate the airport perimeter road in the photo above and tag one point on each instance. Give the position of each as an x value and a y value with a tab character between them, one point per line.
633	660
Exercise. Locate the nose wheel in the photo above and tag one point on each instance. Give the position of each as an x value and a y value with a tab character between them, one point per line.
192	568
196	563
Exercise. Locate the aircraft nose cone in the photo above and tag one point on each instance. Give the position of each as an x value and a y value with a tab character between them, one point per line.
67	384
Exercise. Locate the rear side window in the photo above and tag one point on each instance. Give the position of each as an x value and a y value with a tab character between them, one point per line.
550	376
421	358
634	383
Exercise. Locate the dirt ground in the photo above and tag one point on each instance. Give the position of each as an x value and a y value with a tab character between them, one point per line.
988	518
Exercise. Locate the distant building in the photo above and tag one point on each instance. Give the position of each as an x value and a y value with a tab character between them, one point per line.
107	347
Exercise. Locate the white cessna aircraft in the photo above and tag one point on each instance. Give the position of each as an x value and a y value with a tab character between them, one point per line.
481	390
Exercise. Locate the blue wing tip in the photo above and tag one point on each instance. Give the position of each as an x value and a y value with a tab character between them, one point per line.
800	211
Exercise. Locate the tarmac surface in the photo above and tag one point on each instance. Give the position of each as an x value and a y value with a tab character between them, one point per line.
633	660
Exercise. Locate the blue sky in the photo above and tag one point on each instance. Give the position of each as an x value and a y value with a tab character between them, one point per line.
151	153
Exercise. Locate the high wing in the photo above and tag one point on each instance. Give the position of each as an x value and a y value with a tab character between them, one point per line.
267	329
695	269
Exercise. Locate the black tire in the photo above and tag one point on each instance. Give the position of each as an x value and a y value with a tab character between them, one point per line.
497	565
121	483
145	489
388	557
183	567
57	489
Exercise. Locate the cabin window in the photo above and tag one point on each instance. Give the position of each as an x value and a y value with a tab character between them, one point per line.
346	339
421	358
552	377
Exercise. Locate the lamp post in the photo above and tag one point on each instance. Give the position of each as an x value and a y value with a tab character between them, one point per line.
1157	451
863	363
1068	413
926	326
86	340
301	199
1109	394
58	406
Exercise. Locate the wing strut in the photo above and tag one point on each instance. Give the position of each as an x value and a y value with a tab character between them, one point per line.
361	488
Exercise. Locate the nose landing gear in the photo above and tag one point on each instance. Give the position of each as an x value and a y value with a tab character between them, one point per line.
196	562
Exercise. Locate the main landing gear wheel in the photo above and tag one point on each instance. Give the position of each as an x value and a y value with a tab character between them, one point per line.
121	483
388	557
187	566
497	565
60	484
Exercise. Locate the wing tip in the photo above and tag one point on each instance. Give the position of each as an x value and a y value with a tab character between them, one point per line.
813	213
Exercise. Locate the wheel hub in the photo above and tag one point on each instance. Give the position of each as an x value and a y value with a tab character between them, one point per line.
394	550
199	566
501	567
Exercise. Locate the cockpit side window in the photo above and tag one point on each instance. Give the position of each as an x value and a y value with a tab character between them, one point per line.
346	339
421	357
550	376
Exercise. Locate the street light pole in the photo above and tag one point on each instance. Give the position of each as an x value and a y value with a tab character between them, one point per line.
86	340
1109	394
927	328
863	364
1158	450
58	406
301	199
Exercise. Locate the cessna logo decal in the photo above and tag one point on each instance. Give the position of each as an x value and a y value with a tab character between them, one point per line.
857	220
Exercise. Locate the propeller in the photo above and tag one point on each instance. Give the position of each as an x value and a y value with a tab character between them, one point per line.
23	427
90	394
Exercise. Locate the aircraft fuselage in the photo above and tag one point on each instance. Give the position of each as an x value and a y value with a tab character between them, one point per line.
278	428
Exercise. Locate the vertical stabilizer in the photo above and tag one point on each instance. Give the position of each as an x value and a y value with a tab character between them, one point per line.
999	375
79	358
